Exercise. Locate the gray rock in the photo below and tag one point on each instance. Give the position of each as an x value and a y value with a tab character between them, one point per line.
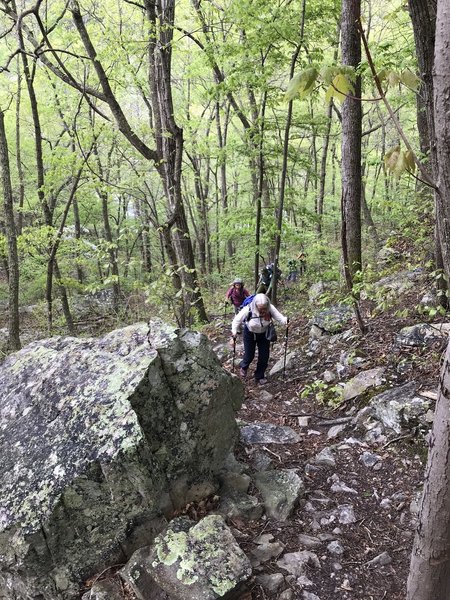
396	407
329	376
316	290
280	490
420	335
362	382
238	504
368	459
335	547
267	433
310	596
336	430
325	458
261	461
108	589
98	438
346	514
265	396
234	481
267	551
270	582
196	561
296	562
281	364
309	541
381	560
333	319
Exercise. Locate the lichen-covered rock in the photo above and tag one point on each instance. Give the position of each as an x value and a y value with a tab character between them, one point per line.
100	438
191	561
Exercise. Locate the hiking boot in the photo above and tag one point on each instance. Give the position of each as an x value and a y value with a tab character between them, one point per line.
242	373
262	381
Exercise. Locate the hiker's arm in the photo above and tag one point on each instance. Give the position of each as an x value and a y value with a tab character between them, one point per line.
278	316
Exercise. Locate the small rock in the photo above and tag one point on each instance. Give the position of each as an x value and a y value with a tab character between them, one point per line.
346	514
334	431
271	583
325	458
308	541
335	548
380	561
368	459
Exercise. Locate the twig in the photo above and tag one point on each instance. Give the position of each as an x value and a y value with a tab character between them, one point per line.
397	439
273	453
340	421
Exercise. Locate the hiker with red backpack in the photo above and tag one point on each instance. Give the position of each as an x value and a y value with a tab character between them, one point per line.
257	320
236	294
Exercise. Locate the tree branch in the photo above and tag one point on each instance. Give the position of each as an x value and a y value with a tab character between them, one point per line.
108	94
425	175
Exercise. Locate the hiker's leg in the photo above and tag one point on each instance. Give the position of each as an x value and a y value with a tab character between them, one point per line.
249	349
263	355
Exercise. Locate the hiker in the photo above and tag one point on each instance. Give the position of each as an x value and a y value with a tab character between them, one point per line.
236	294
292	270
302	262
266	279
256	318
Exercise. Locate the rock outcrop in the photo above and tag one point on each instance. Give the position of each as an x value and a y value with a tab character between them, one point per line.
101	440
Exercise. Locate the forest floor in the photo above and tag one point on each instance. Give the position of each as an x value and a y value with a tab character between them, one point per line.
380	527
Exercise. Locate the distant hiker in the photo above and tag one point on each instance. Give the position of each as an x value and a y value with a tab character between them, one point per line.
302	263
236	294
256	318
292	270
266	279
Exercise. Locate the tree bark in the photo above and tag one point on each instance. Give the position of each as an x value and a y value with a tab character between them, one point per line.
169	150
351	137
13	257
430	561
423	18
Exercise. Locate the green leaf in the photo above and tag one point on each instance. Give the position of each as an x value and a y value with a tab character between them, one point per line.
390	159
301	84
393	78
410	162
410	79
340	87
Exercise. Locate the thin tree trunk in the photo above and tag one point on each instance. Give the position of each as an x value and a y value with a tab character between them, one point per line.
284	168
323	171
19	152
13	257
351	136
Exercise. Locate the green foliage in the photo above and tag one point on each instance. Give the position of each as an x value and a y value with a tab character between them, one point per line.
301	84
398	161
323	393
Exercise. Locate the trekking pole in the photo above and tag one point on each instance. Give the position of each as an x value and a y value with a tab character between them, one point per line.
285	348
234	351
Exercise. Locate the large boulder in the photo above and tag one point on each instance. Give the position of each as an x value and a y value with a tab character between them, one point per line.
101	440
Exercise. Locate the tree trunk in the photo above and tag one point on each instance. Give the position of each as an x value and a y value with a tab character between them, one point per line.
13	257
323	171
19	152
430	561
423	18
169	148
351	137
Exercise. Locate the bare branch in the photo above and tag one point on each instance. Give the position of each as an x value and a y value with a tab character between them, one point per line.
108	94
